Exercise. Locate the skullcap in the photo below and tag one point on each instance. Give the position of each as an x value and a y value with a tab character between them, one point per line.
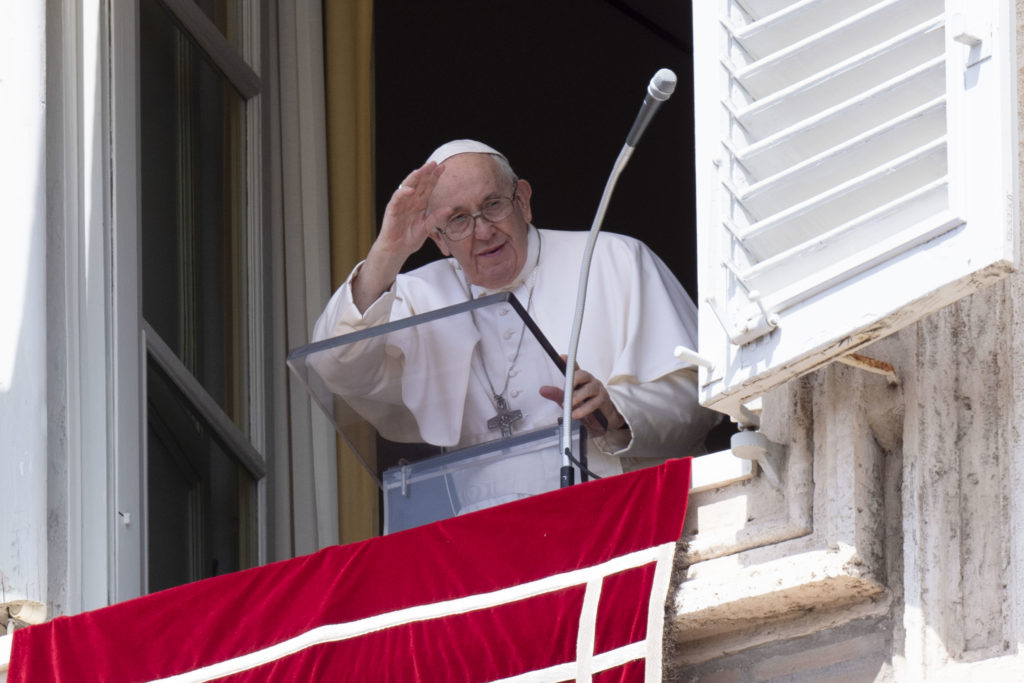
450	149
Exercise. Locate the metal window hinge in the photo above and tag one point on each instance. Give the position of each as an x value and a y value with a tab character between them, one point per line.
754	327
758	323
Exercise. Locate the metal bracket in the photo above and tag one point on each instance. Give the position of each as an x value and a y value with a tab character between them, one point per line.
19	614
754	327
770	456
872	365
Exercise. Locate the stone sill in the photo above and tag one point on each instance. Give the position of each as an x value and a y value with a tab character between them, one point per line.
724	601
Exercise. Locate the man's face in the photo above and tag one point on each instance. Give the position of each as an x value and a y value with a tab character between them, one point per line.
493	253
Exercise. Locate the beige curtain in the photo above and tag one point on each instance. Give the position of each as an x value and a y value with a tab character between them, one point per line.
348	58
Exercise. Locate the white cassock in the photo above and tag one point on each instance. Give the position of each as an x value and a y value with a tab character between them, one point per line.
636	314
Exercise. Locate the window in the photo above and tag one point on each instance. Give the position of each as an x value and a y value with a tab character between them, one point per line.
855	170
199	247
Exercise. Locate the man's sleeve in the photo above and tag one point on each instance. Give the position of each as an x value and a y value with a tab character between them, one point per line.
656	393
341	315
663	416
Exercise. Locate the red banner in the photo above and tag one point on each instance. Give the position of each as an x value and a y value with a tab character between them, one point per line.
566	585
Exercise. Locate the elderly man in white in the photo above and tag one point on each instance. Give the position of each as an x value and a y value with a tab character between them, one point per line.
467	199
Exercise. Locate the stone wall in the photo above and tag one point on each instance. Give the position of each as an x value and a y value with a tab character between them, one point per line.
908	569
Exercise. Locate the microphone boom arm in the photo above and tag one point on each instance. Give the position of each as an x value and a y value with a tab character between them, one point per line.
581	296
660	89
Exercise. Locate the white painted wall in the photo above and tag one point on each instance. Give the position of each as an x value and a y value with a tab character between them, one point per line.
23	291
5	656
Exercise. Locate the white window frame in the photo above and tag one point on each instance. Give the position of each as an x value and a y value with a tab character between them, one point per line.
100	313
126	521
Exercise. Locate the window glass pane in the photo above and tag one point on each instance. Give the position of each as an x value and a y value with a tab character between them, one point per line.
200	500
193	199
225	15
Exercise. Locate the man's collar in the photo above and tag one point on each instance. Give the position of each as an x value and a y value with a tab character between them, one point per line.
532	258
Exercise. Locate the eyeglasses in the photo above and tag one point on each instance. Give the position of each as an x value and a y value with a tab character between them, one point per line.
493	210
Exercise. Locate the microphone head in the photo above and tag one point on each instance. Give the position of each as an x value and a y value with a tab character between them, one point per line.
662	85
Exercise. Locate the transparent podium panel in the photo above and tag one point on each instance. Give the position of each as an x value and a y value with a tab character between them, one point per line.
474	478
443	389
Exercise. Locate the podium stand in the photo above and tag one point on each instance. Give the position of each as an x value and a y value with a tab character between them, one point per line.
443	409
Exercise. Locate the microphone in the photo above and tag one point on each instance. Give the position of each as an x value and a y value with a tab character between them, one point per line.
660	89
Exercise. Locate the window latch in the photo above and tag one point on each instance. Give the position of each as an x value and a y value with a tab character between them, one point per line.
976	34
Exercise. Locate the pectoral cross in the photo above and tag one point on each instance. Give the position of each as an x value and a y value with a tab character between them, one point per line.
505	417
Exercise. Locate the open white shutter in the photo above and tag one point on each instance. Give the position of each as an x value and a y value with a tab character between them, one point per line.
856	170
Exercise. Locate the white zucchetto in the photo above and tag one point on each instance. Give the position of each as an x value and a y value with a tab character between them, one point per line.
450	149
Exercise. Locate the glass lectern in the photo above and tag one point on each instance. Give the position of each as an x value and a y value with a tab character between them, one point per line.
443	408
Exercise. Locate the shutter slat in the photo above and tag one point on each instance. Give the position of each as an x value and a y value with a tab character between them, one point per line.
847	201
842	163
836	44
882	62
795	23
820	131
797	267
759	9
848	265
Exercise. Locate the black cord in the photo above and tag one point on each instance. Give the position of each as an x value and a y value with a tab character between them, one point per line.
581	466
